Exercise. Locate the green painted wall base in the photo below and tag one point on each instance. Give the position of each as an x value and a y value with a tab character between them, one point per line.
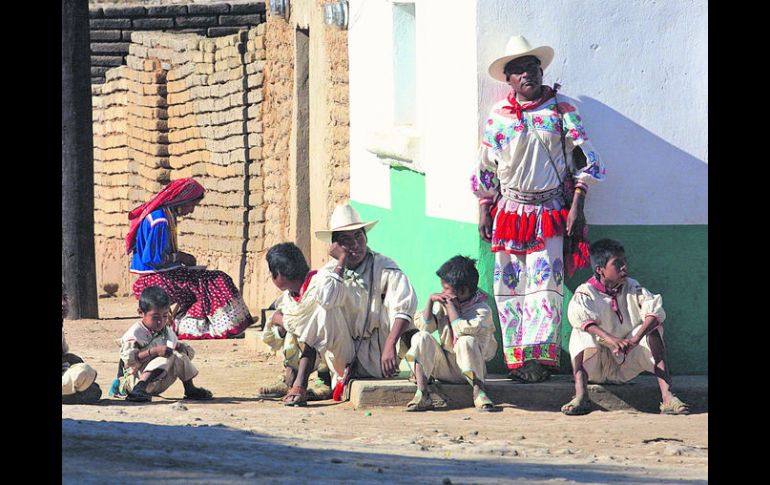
670	260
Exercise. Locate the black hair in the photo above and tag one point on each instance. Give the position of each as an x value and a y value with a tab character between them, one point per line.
287	259
603	250
460	272
153	297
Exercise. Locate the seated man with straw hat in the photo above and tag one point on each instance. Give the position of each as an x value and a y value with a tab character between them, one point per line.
355	308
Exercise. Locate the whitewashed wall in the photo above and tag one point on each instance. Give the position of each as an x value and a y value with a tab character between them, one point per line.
638	69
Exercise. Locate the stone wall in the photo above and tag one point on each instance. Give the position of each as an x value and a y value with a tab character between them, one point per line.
113	24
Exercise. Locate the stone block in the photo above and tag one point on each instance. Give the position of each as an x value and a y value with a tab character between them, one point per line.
124	11
166	10
102	35
95	12
109	47
210	8
112	61
240	20
153	23
196	21
222	31
104	24
248	7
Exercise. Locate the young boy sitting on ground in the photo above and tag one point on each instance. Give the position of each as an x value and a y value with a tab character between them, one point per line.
467	332
617	331
292	275
78	380
153	357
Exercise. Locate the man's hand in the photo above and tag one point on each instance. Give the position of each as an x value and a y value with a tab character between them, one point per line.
338	252
575	219
438	297
485	223
389	361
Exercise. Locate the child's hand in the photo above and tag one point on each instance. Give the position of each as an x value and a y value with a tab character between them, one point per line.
438	297
277	319
161	351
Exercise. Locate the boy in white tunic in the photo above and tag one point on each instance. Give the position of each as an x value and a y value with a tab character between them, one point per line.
78	384
464	322
290	272
153	357
617	331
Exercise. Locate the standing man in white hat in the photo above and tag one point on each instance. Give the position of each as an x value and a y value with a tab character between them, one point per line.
356	308
534	153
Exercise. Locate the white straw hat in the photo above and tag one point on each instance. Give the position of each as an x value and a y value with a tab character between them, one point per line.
518	46
344	218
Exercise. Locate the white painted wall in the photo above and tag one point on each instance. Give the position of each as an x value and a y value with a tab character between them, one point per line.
638	69
447	106
371	85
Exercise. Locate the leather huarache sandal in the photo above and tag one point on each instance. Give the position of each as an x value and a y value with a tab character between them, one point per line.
674	406
297	396
578	406
483	403
199	394
420	402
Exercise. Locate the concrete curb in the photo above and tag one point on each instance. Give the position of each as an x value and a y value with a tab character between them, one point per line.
641	394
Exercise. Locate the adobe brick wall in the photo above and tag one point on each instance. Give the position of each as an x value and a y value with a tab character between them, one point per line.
183	106
113	23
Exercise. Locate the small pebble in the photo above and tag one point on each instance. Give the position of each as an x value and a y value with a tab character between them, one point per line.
197	419
178	406
446	481
466	418
249	474
368	413
336	460
379	470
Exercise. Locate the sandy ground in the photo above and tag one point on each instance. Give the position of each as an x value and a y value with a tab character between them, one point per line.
240	438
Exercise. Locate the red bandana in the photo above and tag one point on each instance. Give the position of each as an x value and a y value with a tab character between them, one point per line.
612	293
517	108
176	193
304	286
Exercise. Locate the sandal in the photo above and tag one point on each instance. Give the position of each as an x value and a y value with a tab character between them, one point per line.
139	395
420	402
530	373
578	406
674	406
199	394
319	391
297	396
277	390
483	403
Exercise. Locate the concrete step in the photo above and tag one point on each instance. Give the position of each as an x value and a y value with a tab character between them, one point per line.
641	394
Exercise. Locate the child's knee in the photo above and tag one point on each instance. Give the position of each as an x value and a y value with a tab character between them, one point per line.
421	338
465	343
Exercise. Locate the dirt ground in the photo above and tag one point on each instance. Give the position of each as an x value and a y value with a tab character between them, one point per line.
240	438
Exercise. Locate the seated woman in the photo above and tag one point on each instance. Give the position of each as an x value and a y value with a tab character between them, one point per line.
210	305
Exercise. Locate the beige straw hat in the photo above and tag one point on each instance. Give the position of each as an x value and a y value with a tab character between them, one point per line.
344	218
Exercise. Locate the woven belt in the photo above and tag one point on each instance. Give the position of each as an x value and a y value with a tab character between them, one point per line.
531	197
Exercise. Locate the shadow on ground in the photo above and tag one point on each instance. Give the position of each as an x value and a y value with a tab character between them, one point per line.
118	452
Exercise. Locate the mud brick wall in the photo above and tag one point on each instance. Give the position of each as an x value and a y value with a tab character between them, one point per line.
113	24
183	106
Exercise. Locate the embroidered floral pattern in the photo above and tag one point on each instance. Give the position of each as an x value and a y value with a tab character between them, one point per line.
539	272
488	179
509	275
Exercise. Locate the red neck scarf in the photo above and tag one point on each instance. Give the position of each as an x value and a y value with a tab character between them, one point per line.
304	286
176	193
611	292
516	108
